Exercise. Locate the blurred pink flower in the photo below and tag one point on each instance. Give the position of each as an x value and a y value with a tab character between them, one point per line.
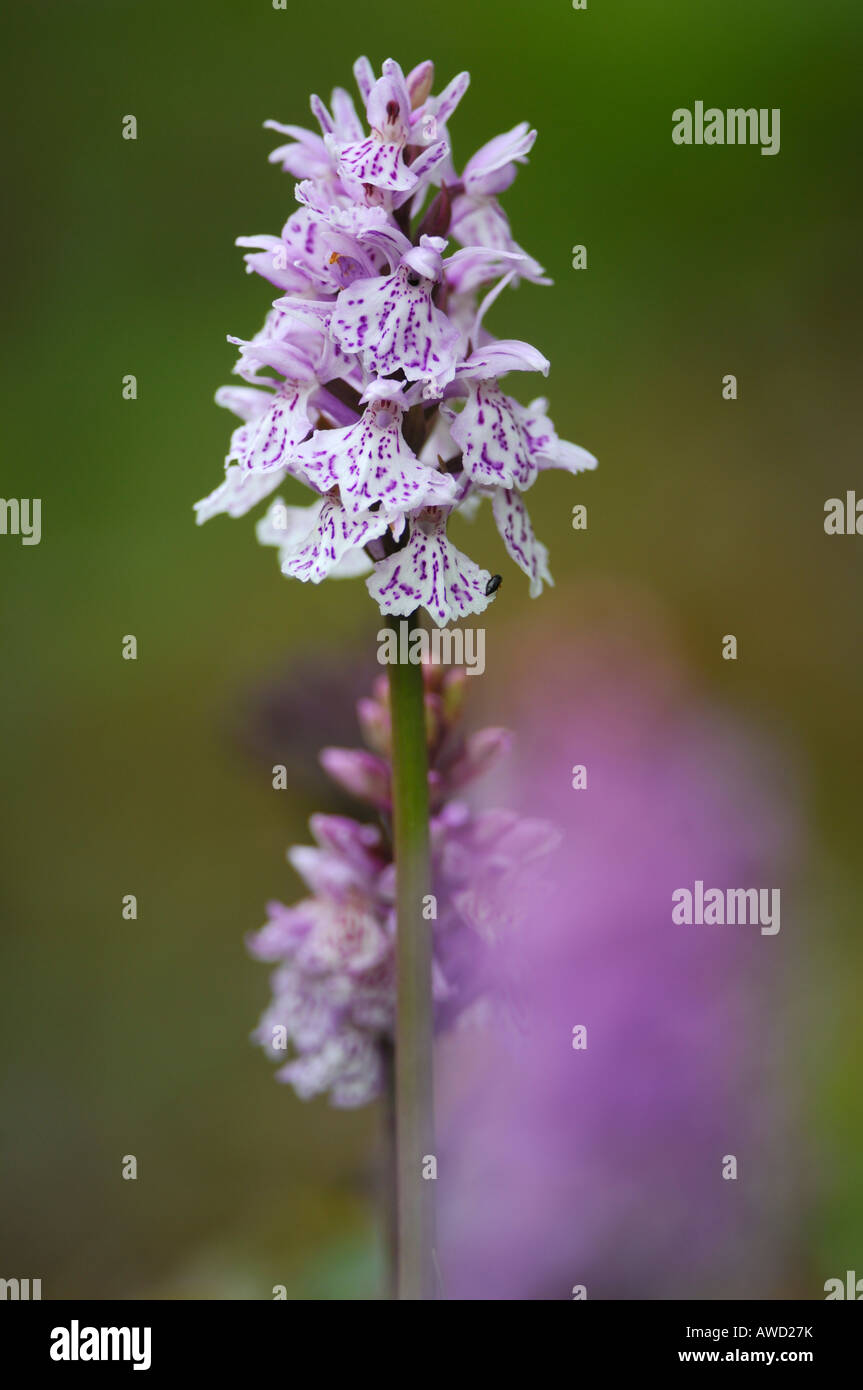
332	1014
602	1166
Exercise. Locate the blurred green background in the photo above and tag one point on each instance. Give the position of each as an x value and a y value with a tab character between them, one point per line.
119	777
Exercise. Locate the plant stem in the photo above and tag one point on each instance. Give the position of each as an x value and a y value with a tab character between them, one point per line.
413	1060
387	1174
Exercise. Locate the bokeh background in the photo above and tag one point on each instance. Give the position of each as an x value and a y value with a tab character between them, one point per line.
705	518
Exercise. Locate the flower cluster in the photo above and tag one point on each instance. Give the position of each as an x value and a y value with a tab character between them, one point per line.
373	380
334	989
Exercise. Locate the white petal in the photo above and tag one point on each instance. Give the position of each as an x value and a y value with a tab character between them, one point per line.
370	463
513	523
549	451
394	324
238	493
272	439
490	434
430	573
335	539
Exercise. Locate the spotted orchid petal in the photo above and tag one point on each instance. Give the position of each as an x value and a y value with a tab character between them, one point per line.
429	572
429	119
549	451
377	163
245	401
294	341
371	465
471	267
364	77
270	441
343	122
249	404
392	322
391	242
267	257
320	541
425	169
492	168
490	432
238	494
346	123
481	221
504	355
305	156
388	106
444	106
513	523
322	251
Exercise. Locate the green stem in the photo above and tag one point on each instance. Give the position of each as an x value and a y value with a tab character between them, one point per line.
387	1173
413	1060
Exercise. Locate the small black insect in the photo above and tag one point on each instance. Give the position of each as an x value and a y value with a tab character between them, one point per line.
493	584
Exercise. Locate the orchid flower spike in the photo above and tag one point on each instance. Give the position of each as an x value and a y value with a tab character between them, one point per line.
373	381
